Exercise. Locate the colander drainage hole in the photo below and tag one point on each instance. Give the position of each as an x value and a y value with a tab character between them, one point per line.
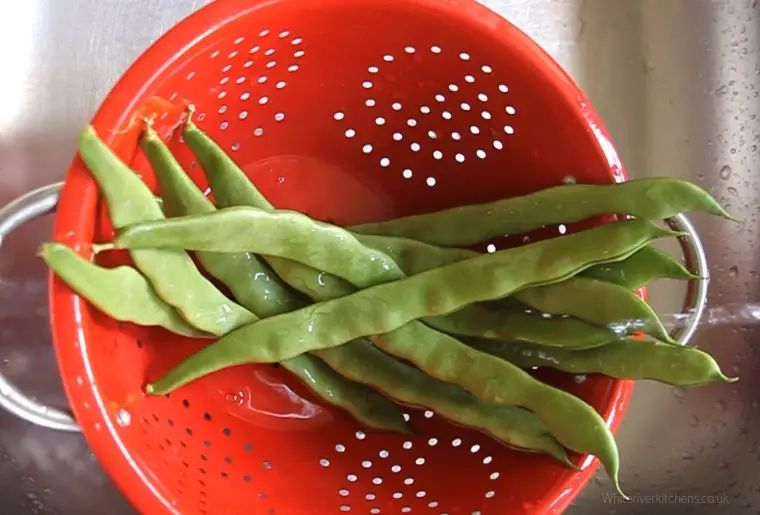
345	507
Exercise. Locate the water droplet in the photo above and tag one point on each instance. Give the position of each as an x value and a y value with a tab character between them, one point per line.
123	417
721	405
733	191
6	362
694	422
687	457
725	172
723	465
678	392
733	272
755	404
233	397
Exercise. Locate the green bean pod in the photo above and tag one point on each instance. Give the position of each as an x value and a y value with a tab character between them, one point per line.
646	266
361	402
597	302
171	273
383	308
331	323
261	291
273	233
122	292
622	359
514	426
606	444
360	361
231	187
651	198
331	249
250	281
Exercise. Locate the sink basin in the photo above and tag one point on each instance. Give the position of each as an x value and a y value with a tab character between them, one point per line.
676	83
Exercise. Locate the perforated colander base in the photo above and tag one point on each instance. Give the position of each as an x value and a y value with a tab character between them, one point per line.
350	111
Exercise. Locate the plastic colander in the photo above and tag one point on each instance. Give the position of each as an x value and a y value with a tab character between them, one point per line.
350	111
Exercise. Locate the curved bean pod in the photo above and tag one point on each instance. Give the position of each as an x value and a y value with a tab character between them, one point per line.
261	291
334	250
432	293
250	281
512	425
473	320
172	273
597	302
361	402
652	198
358	359
230	185
122	292
272	233
334	322
644	267
623	359
647	265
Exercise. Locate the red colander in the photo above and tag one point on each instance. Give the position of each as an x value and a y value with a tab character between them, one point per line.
350	111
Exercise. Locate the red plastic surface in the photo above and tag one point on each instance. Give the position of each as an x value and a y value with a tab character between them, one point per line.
298	92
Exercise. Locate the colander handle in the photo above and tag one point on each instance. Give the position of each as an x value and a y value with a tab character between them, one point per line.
44	200
36	203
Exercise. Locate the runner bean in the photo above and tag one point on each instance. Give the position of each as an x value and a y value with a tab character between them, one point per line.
383	308
172	273
261	291
250	281
651	198
623	359
514	426
647	265
473	320
121	293
331	249
358	359
597	302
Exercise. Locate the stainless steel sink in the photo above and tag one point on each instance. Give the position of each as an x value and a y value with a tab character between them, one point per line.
677	83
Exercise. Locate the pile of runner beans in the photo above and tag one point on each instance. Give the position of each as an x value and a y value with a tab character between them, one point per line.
400	310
